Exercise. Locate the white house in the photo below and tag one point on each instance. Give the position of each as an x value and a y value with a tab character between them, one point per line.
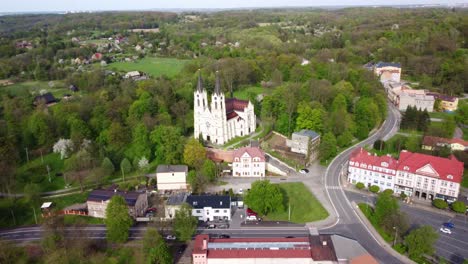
248	162
210	207
388	71
173	204
224	119
171	177
415	174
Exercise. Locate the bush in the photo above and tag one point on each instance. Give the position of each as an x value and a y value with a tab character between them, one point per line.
459	207
374	188
400	248
379	145
360	185
441	204
403	195
388	191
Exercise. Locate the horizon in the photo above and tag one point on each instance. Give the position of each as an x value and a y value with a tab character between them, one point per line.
53	6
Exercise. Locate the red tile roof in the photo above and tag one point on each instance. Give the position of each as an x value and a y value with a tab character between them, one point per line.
254	152
433	141
443	166
256	253
234	104
360	155
231	115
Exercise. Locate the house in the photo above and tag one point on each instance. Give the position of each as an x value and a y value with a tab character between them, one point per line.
171	177
248	162
298	250
98	200
414	174
173	204
210	207
402	96
48	99
447	103
388	71
454	144
305	142
224	118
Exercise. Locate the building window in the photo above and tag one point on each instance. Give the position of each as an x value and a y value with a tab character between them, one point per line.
225	211
216	211
198	211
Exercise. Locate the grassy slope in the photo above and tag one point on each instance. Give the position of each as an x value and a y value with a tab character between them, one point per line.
244	93
17	89
304	206
152	66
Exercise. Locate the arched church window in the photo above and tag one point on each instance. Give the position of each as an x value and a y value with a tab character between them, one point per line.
198	102
216	105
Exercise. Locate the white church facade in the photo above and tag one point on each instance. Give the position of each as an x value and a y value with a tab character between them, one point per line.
223	118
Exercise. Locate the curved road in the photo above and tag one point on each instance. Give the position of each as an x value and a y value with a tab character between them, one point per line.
348	223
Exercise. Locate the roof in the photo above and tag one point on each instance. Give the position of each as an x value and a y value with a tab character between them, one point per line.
433	141
46	205
382	64
172	168
104	195
234	104
48	98
346	248
443	97
254	152
431	166
213	201
177	199
362	156
307	133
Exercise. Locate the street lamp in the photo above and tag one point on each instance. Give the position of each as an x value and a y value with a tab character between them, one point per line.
396	230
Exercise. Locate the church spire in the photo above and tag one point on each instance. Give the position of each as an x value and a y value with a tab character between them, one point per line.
218	84
200	82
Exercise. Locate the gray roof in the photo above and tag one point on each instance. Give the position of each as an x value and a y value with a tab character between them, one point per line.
213	201
104	195
347	248
307	133
177	199
172	168
387	64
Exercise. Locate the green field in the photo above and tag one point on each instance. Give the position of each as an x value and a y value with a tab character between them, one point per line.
441	115
58	88
244	93
304	206
152	66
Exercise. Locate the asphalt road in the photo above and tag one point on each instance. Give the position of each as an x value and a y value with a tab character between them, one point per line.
453	247
348	223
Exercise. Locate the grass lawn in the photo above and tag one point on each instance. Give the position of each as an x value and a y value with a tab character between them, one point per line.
58	89
368	212
465	133
441	115
304	206
244	93
152	66
465	179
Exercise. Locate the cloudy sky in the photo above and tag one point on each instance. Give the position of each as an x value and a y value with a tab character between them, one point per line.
69	5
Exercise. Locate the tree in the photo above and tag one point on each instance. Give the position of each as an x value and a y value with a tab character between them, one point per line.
77	166
125	166
108	166
64	147
140	146
421	242
345	139
374	188
265	197
327	147
413	143
309	118
439	203
194	153
169	144
155	248
360	185
385	206
209	170
459	207
185	224
118	221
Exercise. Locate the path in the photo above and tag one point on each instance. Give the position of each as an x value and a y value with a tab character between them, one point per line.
230	146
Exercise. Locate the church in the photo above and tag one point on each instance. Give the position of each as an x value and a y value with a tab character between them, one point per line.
223	118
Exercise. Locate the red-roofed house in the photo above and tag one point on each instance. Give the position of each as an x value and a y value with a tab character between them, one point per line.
248	162
298	250
430	143
414	174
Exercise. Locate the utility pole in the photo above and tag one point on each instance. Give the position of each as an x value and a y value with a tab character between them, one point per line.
396	230
13	214
27	155
289	212
35	217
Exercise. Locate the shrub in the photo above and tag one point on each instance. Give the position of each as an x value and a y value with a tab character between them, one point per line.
374	188
379	144
403	195
388	191
360	185
459	207
441	204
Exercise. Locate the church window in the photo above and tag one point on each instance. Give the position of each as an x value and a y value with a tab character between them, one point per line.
198	102
216	105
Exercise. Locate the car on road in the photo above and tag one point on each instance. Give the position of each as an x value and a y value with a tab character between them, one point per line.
449	225
211	226
304	171
445	230
170	237
252	218
223	226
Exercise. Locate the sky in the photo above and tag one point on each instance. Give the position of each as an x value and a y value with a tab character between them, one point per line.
94	5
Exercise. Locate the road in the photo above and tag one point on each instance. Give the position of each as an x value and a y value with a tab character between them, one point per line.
453	247
348	223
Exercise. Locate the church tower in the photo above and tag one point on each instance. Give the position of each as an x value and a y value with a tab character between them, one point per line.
218	110
201	110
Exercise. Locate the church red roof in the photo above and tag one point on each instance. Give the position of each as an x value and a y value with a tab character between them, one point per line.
234	104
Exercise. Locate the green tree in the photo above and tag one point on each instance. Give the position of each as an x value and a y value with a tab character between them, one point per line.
374	188
108	166
421	242
168	144
194	153
265	197
439	203
345	139
118	221
327	147
125	167
385	206
140	146
309	118
360	185
413	143
155	248
185	224
209	170
459	207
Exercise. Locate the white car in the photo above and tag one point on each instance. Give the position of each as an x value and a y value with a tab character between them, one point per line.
240	191
252	218
445	230
170	237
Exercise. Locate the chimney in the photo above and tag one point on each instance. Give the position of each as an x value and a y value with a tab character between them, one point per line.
205	244
324	243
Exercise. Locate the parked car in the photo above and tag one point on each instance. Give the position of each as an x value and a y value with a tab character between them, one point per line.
170	237
304	171
152	209
449	225
223	226
252	218
445	230
240	191
211	226
224	236
251	212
